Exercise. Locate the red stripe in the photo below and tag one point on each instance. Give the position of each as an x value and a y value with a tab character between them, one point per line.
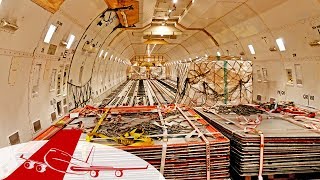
65	140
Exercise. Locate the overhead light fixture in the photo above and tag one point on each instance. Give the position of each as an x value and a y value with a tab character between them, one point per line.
280	44
70	41
158	30
101	52
170	10
174	1
155	41
0	2
49	34
251	49
105	55
218	53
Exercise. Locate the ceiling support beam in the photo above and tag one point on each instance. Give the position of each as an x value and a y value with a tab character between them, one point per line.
200	29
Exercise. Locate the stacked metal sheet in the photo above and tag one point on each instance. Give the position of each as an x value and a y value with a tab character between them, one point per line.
187	148
284	145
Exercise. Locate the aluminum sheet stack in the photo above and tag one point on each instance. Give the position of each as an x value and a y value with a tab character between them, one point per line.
185	146
284	145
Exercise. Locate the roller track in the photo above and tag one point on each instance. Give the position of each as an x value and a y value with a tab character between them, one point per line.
141	93
114	94
169	85
163	94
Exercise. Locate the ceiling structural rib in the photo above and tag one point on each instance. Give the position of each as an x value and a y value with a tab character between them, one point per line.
199	29
172	9
228	24
129	30
202	14
223	17
277	2
146	12
128	52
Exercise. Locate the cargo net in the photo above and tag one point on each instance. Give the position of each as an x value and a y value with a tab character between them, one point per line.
182	80
137	72
157	73
216	82
81	95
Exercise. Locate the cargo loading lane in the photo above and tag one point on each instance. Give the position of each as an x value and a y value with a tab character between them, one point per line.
198	89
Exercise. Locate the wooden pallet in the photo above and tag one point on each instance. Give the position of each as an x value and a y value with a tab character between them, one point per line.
273	177
313	176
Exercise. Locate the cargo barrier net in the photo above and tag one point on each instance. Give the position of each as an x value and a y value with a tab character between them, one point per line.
212	82
81	95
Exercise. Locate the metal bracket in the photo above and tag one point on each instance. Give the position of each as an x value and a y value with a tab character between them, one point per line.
7	25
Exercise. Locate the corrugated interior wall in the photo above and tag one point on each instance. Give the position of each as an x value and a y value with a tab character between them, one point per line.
34	79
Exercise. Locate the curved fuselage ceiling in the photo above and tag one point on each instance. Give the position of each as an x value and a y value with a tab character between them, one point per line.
57	55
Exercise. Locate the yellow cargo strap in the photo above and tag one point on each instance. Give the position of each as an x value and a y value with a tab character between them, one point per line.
94	131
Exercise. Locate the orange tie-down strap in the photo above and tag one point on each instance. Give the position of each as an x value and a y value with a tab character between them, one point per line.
203	138
55	128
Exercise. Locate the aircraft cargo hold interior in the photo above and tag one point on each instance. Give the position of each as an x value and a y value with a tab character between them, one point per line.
160	89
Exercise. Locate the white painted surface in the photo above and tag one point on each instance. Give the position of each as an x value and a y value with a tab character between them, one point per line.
102	156
234	25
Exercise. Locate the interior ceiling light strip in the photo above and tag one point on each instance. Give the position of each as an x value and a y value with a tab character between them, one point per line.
70	41
280	44
101	52
252	51
50	33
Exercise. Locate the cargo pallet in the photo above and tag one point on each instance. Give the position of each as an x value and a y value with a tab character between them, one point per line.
313	176
202	158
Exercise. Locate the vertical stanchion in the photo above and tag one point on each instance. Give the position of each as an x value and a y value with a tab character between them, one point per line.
225	78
